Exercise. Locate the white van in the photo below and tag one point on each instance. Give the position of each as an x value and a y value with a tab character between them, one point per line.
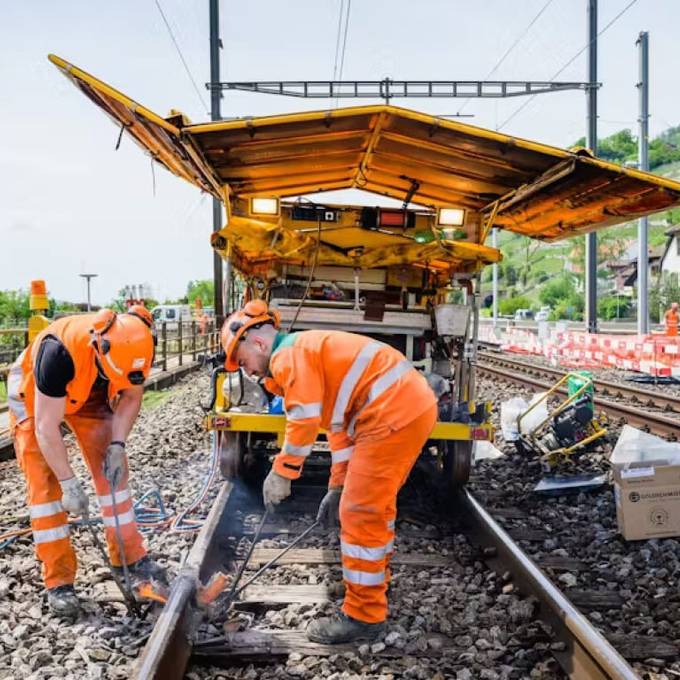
171	313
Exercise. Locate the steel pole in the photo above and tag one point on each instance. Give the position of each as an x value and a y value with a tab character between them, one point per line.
591	238
643	158
216	114
494	274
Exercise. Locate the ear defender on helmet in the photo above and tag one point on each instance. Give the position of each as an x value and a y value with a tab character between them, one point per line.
254	314
103	320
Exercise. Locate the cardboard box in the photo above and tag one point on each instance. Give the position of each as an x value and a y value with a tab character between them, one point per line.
647	497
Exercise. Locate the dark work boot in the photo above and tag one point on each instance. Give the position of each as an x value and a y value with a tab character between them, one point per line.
63	601
334	630
144	570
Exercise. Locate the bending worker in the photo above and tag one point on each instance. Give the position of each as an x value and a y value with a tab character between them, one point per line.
671	318
74	370
378	412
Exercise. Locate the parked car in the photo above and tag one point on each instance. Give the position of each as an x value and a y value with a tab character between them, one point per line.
523	315
543	314
171	313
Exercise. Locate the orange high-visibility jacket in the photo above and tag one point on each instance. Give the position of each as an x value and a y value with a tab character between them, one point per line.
345	383
74	334
671	320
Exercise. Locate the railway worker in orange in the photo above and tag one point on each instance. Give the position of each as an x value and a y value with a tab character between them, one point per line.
378	412
671	319
75	370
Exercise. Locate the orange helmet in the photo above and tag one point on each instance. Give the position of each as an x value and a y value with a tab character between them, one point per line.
124	345
254	314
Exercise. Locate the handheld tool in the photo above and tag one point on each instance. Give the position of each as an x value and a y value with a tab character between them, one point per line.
236	590
130	602
119	539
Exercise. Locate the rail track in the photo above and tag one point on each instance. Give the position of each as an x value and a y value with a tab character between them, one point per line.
179	636
657	421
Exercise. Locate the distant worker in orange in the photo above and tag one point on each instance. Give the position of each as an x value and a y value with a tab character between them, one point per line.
378	412
671	318
73	371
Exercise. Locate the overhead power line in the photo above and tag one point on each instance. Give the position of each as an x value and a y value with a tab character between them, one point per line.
344	42
569	63
206	108
512	47
337	39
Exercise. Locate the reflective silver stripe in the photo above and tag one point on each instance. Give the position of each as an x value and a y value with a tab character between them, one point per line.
390	524
363	553
349	382
49	535
388	379
122	495
45	509
297	450
14	400
342	455
363	578
303	411
123	518
384	382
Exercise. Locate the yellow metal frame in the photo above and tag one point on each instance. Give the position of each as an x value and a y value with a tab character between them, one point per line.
235	421
565	451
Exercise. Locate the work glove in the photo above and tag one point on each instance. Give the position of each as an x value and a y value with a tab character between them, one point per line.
274	490
329	508
73	497
114	463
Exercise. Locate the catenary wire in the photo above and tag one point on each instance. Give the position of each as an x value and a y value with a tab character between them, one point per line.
337	39
344	44
181	56
569	63
519	39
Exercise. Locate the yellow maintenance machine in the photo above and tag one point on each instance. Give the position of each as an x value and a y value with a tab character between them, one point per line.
407	275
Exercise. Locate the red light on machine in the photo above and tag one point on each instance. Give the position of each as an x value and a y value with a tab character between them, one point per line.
401	219
479	433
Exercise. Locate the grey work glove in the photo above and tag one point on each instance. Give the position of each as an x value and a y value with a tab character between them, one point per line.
329	508
275	489
73	497
114	463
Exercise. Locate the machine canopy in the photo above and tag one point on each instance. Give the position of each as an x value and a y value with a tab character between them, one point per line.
526	187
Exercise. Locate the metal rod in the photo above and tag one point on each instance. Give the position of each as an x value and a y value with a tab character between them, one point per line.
216	114
119	540
494	279
275	559
643	156
591	238
130	602
232	591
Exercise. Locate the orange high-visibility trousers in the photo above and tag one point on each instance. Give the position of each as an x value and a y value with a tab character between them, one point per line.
91	426
377	469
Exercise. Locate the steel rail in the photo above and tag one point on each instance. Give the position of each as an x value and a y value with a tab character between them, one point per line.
166	654
587	654
656	423
651	398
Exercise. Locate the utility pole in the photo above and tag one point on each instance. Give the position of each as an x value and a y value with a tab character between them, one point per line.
643	164
591	238
216	114
494	274
88	278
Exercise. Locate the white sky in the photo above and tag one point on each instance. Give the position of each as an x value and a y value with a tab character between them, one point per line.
69	203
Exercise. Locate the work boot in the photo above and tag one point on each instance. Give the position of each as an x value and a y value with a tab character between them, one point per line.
334	630
144	570
63	601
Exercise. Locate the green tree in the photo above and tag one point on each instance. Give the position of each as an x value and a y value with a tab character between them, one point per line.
14	306
508	306
613	307
203	289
